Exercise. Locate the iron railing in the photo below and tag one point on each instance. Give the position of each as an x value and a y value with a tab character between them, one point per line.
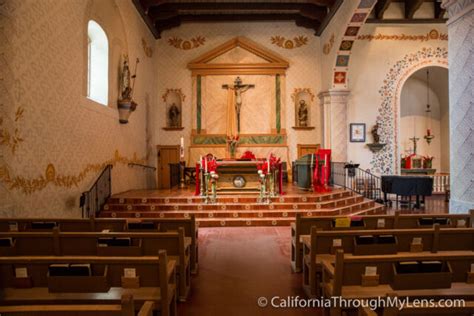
93	200
351	177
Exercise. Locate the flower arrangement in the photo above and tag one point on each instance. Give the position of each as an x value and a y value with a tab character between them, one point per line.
212	166
248	155
428	162
403	161
232	142
274	162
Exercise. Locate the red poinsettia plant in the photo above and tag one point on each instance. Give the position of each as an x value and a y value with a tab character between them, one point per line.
212	166
274	162
248	155
428	162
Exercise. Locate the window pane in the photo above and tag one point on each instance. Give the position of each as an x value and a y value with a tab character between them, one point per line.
98	85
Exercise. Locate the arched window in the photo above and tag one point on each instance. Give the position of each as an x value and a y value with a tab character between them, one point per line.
98	64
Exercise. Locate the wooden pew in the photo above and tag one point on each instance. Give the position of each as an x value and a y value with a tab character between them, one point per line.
323	242
114	225
86	244
154	281
344	276
126	308
303	224
411	310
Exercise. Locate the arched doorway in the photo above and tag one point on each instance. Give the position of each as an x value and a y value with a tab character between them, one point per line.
428	85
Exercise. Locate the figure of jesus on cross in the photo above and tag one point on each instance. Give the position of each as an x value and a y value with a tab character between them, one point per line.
238	88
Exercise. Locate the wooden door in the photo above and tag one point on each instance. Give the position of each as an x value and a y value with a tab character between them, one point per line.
304	149
166	155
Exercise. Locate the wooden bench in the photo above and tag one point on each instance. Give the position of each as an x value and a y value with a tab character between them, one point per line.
345	275
438	309
303	224
126	308
327	242
108	282
57	243
114	225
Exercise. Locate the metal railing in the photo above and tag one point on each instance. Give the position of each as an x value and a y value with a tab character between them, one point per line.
132	164
351	177
93	200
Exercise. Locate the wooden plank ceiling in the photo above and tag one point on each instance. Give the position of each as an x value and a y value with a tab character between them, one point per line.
161	15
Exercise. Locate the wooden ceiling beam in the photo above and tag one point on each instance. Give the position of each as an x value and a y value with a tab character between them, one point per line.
165	24
380	8
411	6
438	10
168	10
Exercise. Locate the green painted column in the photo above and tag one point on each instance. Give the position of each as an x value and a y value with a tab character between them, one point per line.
278	103
199	104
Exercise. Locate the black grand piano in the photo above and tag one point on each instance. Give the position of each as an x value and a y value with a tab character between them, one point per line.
408	186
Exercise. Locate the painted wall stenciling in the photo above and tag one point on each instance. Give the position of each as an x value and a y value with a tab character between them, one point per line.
359	16
183	44
44	70
177	91
147	49
432	35
386	160
10	136
244	140
283	42
328	46
34	184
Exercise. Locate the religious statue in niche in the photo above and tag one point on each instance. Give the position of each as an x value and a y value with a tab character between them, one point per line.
173	99
174	116
126	105
302	99
303	114
375	133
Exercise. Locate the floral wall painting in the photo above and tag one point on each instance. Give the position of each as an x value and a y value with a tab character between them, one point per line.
283	42
174	99
357	132
184	44
387	160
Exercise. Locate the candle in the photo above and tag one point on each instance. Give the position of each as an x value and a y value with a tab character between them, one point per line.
311	164
268	160
200	162
182	147
205	164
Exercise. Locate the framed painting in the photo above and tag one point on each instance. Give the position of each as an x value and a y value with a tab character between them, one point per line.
357	132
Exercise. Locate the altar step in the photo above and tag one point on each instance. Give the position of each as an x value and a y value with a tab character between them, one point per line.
243	210
319	197
219	206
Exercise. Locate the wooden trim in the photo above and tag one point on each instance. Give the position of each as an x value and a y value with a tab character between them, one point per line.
276	64
406	21
244	43
173	128
303	128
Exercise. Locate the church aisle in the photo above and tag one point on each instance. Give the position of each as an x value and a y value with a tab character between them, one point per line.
237	265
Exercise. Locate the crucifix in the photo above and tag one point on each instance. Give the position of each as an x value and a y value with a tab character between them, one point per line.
414	140
238	88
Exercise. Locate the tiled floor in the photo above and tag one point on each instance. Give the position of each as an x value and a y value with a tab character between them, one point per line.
237	265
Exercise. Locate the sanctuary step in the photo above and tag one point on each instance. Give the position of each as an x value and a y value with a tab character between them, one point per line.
231	210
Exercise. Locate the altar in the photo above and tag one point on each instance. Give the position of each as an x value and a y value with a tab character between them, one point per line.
237	176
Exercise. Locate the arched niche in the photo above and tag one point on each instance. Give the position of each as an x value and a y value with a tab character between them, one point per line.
302	99
174	99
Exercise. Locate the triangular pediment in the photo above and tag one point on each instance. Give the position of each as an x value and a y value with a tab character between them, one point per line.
239	56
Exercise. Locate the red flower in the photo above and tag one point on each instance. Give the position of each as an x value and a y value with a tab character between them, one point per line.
248	155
